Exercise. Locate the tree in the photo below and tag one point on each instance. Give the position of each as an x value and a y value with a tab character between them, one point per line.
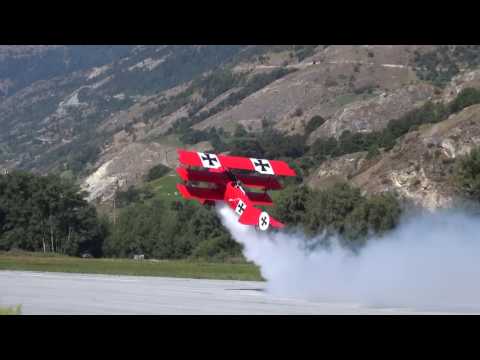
41	213
467	174
240	131
328	209
324	148
247	147
340	210
291	206
466	97
314	123
157	172
372	151
376	215
177	230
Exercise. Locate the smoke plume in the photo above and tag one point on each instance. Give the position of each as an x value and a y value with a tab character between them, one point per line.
430	261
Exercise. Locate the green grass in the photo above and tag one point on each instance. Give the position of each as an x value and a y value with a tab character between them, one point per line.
169	268
165	188
17	310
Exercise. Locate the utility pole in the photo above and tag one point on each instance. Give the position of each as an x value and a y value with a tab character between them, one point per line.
115	204
114	208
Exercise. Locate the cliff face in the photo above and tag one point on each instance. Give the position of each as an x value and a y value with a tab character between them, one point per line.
419	167
103	113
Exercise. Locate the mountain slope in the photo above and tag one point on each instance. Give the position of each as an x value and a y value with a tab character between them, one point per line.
419	167
109	114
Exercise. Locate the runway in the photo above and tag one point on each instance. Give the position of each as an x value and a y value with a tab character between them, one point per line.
65	293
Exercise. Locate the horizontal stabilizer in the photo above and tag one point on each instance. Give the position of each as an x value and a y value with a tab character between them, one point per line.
251	216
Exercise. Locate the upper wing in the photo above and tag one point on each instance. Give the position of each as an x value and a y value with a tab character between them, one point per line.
199	159
212	161
262	166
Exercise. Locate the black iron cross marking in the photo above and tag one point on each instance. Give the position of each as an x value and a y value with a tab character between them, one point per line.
263	165
264	220
211	160
240	208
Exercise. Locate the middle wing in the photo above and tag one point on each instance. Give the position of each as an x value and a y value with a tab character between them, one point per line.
221	178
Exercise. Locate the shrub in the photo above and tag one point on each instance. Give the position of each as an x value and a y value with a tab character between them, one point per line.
240	131
291	206
466	97
157	172
298	112
373	151
340	210
467	174
314	123
376	215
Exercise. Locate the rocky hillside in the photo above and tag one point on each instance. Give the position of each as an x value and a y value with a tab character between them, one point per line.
107	114
418	167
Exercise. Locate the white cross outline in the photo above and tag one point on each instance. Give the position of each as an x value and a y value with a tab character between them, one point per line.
263	221
241	207
264	168
207	163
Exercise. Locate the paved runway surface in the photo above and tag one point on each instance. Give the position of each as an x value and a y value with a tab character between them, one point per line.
61	293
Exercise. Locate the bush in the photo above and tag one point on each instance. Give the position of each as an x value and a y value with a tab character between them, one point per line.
298	112
340	210
218	248
467	174
376	215
157	172
373	152
466	97
291	206
240	131
277	145
131	195
328	209
442	64
314	123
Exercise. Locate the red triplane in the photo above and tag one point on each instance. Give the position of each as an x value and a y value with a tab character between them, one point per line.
226	179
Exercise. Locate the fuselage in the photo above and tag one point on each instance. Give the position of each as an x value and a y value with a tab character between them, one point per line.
234	192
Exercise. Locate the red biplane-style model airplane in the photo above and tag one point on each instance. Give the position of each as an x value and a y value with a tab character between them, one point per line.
226	183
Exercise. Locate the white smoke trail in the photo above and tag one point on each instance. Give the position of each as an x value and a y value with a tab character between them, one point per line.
430	261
